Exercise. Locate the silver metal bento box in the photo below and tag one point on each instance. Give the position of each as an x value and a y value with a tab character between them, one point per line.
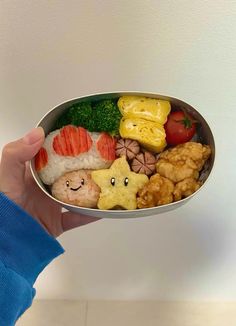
204	135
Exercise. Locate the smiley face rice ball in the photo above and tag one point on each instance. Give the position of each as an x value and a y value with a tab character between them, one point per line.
77	188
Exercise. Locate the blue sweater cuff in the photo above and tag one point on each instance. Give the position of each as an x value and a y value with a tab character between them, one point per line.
25	246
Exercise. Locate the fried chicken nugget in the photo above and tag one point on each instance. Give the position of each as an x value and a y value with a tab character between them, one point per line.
183	161
158	191
185	188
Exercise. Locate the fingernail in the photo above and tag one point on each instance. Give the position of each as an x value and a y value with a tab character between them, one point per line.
33	136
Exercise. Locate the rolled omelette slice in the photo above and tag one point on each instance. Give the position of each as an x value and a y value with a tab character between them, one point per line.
144	107
149	134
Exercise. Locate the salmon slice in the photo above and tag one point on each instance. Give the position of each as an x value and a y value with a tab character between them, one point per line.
106	146
72	141
41	159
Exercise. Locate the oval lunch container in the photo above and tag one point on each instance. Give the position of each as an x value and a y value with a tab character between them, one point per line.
204	135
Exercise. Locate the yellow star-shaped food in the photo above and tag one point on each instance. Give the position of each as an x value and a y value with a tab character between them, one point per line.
119	185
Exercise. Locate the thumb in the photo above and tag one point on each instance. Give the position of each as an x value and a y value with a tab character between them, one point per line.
16	154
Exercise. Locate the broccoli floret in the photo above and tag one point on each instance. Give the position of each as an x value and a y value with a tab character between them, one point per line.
80	114
107	116
62	121
102	115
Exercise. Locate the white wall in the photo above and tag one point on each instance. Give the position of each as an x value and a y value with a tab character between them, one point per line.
51	51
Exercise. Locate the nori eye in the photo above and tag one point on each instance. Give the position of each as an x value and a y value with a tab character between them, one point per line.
113	181
67	183
126	181
82	182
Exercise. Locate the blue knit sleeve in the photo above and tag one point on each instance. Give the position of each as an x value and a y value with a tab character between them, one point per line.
25	250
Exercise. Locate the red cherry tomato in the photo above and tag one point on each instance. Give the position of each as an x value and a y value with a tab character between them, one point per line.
179	128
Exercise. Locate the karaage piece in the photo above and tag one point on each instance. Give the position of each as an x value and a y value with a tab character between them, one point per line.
185	188
183	161
158	191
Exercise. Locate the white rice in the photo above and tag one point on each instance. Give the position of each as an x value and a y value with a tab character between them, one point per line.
58	165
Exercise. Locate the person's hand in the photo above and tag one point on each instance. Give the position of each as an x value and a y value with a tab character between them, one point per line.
17	183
